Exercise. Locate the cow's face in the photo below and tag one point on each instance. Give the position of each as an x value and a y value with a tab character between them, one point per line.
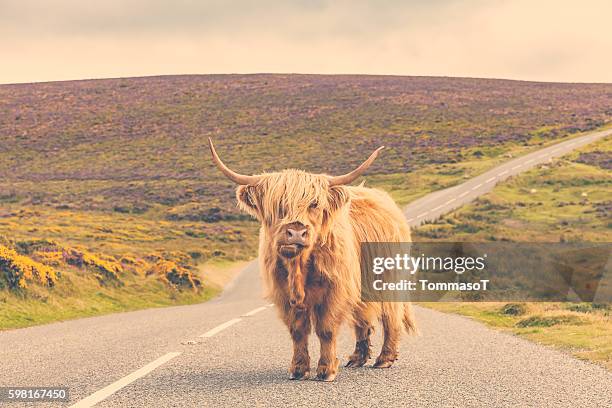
296	208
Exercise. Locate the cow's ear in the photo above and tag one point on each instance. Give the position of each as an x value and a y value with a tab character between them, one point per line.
248	199
338	197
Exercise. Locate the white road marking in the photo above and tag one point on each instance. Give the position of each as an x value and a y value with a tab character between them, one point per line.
464	194
517	166
254	311
449	201
437	208
421	215
220	327
502	173
476	187
490	180
107	391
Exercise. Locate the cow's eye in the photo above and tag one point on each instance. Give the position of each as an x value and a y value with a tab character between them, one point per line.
313	205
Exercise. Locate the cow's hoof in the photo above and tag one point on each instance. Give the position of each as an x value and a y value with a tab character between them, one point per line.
383	363
357	361
299	375
327	372
327	377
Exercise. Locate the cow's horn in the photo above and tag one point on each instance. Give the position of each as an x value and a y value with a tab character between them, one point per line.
349	177
232	175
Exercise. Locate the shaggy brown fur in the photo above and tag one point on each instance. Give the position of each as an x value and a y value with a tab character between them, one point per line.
319	286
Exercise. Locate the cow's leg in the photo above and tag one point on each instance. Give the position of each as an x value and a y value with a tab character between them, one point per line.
326	328
392	325
361	355
299	327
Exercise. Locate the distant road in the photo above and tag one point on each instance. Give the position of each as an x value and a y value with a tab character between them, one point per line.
434	205
233	351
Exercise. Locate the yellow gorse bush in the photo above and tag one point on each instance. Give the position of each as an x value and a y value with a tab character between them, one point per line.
53	258
44	257
19	269
107	266
176	275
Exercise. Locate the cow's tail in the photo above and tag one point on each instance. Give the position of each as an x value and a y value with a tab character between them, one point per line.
408	320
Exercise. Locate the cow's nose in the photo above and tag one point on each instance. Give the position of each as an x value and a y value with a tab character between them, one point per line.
297	234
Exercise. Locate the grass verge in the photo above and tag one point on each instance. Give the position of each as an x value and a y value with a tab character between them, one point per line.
582	329
568	199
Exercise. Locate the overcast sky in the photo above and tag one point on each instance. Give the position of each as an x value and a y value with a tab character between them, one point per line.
543	40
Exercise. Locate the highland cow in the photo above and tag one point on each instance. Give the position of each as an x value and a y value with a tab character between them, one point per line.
309	253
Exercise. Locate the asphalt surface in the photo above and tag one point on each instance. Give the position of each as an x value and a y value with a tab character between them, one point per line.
234	351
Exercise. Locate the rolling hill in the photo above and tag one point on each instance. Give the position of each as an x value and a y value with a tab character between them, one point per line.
128	144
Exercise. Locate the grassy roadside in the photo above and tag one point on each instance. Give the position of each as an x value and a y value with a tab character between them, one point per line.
62	264
218	273
80	295
568	199
90	299
407	187
582	329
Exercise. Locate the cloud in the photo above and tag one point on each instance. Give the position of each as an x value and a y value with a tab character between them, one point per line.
68	39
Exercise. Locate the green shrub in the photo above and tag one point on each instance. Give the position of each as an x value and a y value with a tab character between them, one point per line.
514	309
547	321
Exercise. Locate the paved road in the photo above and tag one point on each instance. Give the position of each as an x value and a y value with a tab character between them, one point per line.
233	351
